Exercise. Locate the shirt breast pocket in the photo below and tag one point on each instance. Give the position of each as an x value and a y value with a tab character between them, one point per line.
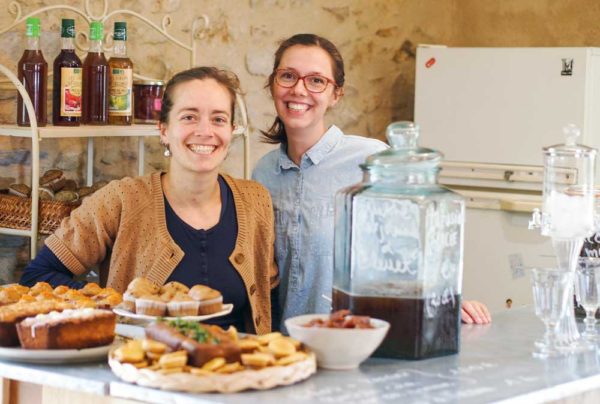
320	222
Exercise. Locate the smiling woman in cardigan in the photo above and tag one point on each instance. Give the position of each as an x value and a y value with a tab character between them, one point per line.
191	224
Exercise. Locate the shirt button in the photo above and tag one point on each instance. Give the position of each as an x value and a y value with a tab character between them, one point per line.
239	258
252	289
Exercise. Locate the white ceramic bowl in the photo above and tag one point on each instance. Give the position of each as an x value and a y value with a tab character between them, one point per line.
337	348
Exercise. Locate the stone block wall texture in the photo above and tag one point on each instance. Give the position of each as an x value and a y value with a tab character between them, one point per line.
377	39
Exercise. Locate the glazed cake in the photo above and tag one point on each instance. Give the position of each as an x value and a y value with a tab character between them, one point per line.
11	314
69	329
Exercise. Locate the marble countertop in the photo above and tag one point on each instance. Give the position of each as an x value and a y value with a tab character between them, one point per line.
494	365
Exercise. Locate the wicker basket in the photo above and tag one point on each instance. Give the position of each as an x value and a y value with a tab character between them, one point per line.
15	213
261	379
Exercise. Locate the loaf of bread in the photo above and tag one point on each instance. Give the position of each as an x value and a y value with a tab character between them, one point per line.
198	340
69	329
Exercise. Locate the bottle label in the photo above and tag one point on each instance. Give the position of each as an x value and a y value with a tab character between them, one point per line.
70	91
120	92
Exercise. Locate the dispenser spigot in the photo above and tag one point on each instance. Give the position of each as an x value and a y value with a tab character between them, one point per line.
536	219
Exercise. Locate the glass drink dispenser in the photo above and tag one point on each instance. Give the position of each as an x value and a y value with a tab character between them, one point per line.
568	204
399	249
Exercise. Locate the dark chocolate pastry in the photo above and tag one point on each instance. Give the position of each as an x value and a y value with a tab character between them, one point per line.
70	185
53	179
66	196
46	193
19	190
84	191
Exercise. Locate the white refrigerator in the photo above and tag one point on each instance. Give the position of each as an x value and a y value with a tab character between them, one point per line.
491	111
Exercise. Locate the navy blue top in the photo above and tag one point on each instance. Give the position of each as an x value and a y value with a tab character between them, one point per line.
205	261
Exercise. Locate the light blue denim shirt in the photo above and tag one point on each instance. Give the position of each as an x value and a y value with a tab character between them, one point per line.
303	199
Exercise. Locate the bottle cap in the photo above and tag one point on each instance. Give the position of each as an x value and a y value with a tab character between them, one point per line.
32	27
67	29
96	31
120	33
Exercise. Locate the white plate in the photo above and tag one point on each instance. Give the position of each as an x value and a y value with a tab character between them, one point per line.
55	356
226	310
130	331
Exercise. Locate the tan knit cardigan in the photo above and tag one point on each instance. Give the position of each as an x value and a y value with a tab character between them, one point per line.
123	228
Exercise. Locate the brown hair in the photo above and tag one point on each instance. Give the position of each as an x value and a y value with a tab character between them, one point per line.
276	133
224	77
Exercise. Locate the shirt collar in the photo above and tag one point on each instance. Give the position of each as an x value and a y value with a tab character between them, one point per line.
316	153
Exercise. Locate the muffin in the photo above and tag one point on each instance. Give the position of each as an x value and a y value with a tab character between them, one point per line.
9	296
142	286
19	288
39	288
174	288
27	299
73	294
108	291
85	303
150	305
45	295
211	300
182	305
91	289
61	290
167	296
109	301
128	302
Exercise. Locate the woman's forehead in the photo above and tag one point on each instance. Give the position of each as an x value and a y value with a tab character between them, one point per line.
307	59
206	92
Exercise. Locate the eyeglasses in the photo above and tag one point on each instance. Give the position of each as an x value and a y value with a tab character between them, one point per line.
314	83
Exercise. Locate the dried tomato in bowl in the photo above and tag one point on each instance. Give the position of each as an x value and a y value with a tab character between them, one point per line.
341	319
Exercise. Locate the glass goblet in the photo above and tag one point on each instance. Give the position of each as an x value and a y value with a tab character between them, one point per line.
587	292
551	289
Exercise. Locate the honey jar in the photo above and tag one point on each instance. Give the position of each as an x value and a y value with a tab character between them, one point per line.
147	100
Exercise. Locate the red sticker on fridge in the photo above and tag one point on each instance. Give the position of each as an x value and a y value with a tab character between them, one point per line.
430	63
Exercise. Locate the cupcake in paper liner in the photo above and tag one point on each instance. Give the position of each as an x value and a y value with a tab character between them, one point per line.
211	300
182	305
150	305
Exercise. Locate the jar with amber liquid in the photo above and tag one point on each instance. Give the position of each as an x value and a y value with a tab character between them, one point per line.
398	249
68	74
95	80
120	109
32	71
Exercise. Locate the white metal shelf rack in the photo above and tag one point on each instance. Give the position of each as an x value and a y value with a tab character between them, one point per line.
36	134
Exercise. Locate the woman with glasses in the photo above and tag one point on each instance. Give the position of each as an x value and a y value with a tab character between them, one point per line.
312	163
190	224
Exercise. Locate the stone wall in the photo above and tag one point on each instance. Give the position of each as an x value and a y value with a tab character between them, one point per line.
377	39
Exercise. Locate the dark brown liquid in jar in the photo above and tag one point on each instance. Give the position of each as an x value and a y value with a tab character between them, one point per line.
147	102
412	334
